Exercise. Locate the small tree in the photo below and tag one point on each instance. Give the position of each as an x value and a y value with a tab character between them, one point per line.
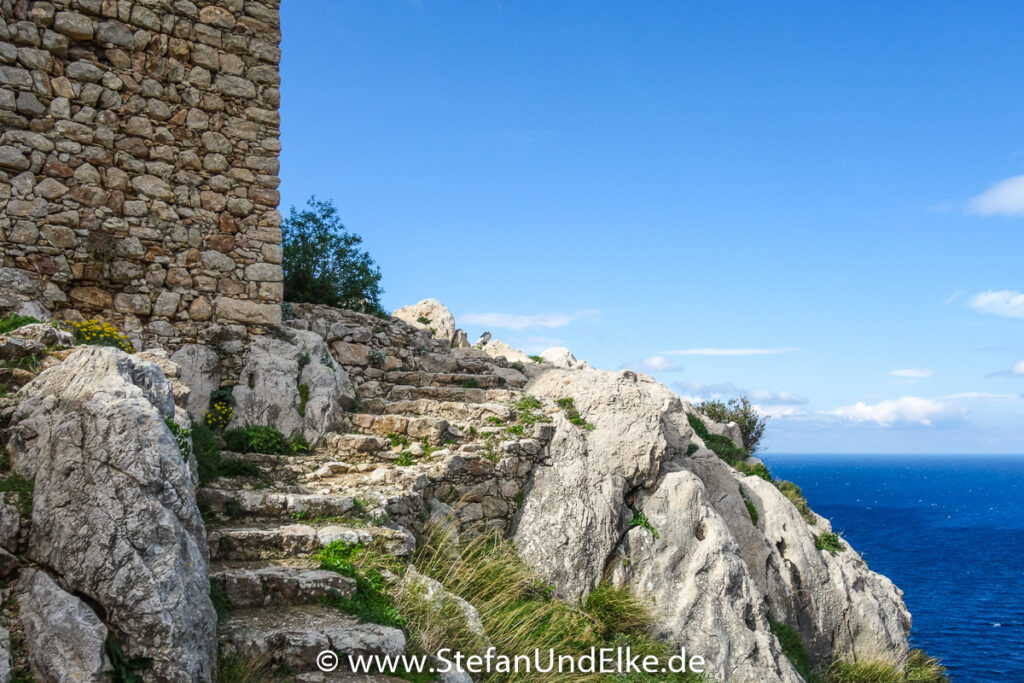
323	264
743	413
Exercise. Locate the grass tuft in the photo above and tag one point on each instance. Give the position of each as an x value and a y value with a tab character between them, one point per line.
830	542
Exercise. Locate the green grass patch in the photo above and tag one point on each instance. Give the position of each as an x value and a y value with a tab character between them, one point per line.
537	359
405	459
758	470
303	399
14	321
830	542
796	496
370	603
211	464
471	383
24	487
182	437
792	646
569	407
520	613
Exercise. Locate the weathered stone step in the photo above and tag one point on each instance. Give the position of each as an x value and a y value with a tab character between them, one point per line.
295	540
484	380
457	412
278	585
294	636
435	430
238	503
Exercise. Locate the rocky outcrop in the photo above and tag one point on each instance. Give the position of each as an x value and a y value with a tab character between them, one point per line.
64	637
430	315
114	515
294	385
642	502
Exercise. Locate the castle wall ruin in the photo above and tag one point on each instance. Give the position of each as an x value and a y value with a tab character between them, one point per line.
138	160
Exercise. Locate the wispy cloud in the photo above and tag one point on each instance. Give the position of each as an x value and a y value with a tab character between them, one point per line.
654	364
729	352
1016	371
953	297
916	410
513	321
1004	302
913	373
763	397
695	392
1005	198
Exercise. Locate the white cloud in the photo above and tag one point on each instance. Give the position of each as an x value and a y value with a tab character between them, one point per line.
953	297
763	397
512	321
654	364
912	373
907	409
915	410
1018	369
729	352
1005	198
695	392
1002	302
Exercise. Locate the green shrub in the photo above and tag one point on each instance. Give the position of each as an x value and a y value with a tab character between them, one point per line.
182	437
830	542
221	408
323	264
723	446
209	461
537	359
471	383
14	321
303	398
924	669
920	668
796	496
423	320
221	601
758	470
792	646
244	668
405	459
122	669
742	412
263	439
752	511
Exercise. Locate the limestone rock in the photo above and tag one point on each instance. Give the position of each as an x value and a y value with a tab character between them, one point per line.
63	636
440	323
460	340
20	293
48	335
495	348
16	348
431	591
268	392
199	370
114	512
561	357
710	571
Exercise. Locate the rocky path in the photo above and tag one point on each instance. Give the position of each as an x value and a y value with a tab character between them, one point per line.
415	439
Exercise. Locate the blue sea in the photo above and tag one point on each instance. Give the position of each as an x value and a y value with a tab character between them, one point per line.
949	531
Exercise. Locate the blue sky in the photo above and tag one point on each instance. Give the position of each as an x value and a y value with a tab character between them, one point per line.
820	205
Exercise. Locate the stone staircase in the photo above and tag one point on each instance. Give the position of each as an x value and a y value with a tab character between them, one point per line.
432	434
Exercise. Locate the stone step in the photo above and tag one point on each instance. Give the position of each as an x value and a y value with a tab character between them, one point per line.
456	412
298	540
409	392
278	585
482	380
294	636
435	431
246	503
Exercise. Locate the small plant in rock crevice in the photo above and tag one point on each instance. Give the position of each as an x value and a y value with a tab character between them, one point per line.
423	320
829	542
182	437
640	520
376	358
568	405
539	360
751	508
221	409
263	439
303	399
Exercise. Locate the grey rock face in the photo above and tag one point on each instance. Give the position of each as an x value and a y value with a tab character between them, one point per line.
441	323
114	511
199	370
268	390
712	573
64	637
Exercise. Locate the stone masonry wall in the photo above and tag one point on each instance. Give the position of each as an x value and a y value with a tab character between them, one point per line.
138	160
